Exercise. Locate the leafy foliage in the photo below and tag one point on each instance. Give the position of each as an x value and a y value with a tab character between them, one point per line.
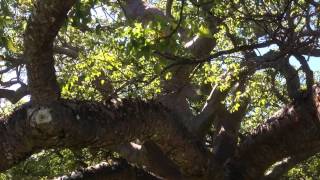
117	59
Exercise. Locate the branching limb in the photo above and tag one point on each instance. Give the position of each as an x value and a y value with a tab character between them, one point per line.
213	105
310	52
308	72
14	95
41	30
206	117
275	91
292	79
225	141
177	89
277	139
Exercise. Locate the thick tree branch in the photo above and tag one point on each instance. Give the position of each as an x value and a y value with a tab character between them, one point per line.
310	52
226	139
226	124
290	132
280	169
164	165
43	26
117	170
169	7
88	124
206	117
308	72
292	78
146	155
12	60
14	95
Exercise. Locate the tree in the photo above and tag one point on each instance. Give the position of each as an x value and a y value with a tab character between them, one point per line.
178	87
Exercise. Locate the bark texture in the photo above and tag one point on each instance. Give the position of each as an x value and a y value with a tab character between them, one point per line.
173	138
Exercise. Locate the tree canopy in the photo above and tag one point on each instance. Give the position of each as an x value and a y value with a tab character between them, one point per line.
159	89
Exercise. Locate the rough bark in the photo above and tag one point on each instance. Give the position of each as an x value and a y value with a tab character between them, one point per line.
43	26
293	130
50	122
87	124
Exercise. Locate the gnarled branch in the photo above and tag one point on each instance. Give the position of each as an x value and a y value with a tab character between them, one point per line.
87	124
42	28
